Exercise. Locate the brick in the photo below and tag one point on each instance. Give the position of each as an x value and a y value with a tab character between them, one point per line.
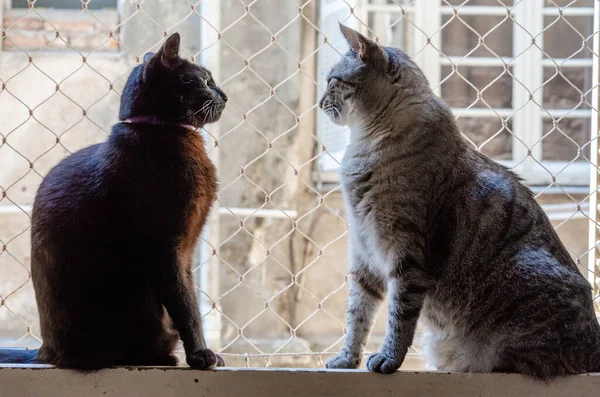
53	41
23	24
112	45
25	41
69	26
92	42
107	26
98	28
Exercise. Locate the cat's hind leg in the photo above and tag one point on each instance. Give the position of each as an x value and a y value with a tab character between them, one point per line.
431	340
90	361
155	346
545	362
451	353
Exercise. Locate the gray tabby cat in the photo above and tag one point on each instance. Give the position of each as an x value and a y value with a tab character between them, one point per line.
448	234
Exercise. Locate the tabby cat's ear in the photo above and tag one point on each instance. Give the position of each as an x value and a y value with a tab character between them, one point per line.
170	49
366	49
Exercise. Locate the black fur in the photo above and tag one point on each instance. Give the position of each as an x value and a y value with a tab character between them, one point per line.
114	228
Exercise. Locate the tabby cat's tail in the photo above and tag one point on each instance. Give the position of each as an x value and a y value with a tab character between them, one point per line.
18	356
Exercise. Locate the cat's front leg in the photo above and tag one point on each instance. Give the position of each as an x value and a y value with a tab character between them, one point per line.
179	298
366	295
406	293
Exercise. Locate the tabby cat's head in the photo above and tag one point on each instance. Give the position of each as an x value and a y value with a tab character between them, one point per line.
171	88
368	76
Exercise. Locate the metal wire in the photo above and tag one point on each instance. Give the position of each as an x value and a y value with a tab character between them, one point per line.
268	250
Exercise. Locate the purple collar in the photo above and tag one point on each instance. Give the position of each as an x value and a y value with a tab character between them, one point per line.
156	121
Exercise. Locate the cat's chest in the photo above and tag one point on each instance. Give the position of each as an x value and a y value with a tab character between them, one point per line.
358	175
197	168
170	171
373	198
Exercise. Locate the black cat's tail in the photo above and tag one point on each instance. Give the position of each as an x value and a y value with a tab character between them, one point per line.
18	356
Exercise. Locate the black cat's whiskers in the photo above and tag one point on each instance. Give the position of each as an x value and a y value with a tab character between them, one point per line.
212	111
203	109
205	106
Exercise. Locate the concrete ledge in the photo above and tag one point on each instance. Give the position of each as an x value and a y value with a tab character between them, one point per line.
39	380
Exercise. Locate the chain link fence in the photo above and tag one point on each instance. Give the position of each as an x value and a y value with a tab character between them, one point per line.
521	76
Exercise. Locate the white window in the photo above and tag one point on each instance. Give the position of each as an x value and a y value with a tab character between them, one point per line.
526	104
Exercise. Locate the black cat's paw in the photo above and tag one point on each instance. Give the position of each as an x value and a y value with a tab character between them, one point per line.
203	359
167	361
342	361
382	364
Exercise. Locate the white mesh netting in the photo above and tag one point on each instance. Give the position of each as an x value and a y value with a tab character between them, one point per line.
272	265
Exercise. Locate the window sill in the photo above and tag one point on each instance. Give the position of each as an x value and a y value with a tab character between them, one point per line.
40	380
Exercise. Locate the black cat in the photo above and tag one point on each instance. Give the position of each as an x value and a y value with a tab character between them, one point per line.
114	228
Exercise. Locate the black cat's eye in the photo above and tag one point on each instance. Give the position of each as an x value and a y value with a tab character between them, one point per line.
204	80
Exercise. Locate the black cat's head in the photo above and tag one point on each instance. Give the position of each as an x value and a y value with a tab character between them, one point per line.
173	89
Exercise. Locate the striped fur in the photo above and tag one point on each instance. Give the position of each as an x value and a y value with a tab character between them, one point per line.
451	236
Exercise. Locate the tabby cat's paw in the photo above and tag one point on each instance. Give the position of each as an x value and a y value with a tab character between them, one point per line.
220	362
203	359
342	362
382	364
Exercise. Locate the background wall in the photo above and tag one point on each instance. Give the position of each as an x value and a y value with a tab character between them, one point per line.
57	103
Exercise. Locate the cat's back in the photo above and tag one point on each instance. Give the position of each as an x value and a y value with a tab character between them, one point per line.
77	168
490	241
492	213
71	184
143	181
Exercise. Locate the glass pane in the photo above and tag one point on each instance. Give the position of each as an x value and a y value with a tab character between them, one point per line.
459	93
564	90
489	135
564	140
458	39
564	38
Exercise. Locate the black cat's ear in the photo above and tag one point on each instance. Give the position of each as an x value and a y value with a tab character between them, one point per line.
366	49
148	56
170	49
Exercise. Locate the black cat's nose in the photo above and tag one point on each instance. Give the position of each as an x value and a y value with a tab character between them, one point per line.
223	94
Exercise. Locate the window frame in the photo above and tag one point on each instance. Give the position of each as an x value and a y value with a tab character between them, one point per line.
528	68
